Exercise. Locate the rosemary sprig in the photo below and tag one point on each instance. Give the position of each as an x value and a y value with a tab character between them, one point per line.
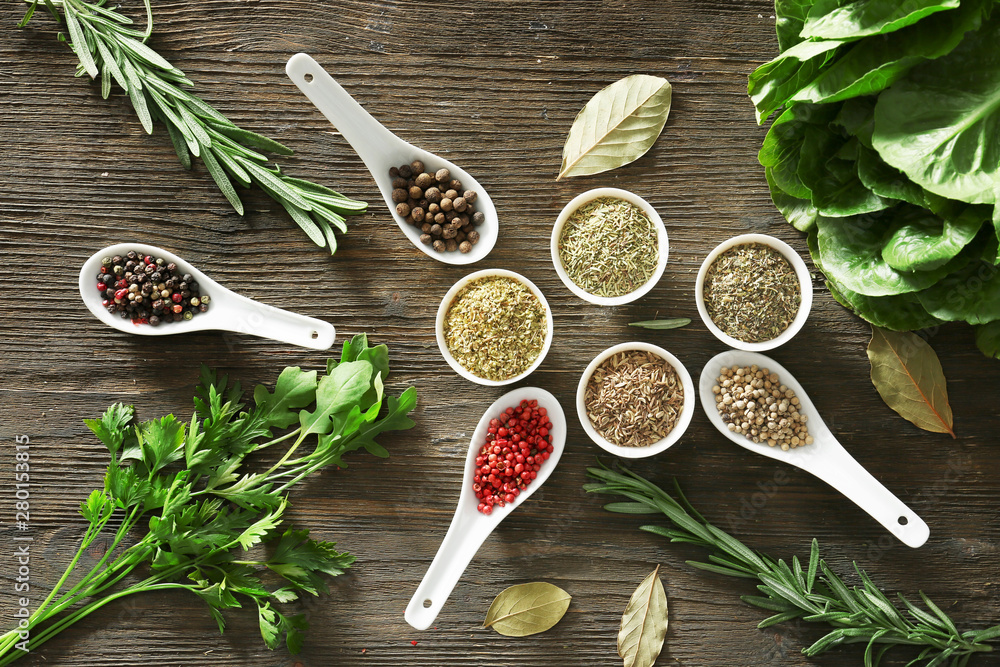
813	592
108	48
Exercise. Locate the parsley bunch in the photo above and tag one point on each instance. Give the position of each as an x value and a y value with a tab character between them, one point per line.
108	47
206	511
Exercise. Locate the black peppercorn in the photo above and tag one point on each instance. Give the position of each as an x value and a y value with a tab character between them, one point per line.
203	308
132	254
154	321
171	267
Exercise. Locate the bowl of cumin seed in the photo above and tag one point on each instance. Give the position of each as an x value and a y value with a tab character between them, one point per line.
635	400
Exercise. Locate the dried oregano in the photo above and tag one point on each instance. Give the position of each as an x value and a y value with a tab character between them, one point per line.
495	328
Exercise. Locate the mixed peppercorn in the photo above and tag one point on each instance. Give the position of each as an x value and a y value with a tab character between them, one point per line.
518	441
437	205
149	290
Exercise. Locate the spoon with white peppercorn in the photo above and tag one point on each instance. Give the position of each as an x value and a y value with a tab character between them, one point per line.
224	309
382	151
804	441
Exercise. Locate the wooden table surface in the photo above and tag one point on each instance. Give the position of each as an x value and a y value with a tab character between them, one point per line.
493	86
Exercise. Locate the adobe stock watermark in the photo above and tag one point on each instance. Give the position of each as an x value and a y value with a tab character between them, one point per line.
750	505
22	541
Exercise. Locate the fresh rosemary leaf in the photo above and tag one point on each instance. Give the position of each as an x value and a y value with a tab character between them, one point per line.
78	42
221	179
109	62
278	188
235	170
673	323
305	222
254	139
331	238
144	53
329	216
27	16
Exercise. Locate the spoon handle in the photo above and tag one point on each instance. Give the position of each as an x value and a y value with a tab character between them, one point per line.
465	535
366	135
247	316
842	472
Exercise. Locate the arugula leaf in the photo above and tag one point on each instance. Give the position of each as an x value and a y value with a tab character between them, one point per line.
295	389
344	386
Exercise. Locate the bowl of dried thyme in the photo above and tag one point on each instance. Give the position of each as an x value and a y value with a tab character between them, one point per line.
609	246
753	292
635	400
494	327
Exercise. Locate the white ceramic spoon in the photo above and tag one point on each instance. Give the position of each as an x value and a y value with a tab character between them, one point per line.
380	150
228	311
470	527
825	457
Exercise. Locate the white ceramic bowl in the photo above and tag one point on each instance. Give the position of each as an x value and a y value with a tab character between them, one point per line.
661	238
446	304
805	288
687	411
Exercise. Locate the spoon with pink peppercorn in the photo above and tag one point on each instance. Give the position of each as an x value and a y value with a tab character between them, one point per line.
381	151
209	306
477	515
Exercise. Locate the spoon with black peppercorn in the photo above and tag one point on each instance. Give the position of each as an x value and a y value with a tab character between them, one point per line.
381	150
226	310
470	527
824	457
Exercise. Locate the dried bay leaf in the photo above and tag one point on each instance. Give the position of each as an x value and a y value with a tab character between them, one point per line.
618	125
527	609
908	376
644	623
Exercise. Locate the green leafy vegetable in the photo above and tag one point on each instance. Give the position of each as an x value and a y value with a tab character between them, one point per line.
988	339
885	152
527	609
867	17
617	126
644	623
805	589
938	123
107	47
205	510
908	376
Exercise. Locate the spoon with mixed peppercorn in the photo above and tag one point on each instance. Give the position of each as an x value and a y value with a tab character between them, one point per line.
758	404
514	449
443	210
145	290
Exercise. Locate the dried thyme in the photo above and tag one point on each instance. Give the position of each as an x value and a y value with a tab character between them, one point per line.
752	293
634	398
609	247
495	328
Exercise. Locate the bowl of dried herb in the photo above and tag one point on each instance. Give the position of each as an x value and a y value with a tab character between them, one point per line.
753	292
635	400
609	246
494	327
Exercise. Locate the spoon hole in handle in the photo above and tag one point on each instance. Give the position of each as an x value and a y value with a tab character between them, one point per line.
841	471
257	319
465	535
